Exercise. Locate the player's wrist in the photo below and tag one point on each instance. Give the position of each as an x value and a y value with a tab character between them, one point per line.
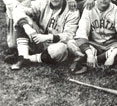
50	37
89	53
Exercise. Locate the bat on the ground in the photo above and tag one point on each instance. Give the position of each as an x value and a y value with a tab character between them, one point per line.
94	86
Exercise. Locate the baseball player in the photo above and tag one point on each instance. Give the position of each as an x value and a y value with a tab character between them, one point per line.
11	53
96	36
11	33
56	26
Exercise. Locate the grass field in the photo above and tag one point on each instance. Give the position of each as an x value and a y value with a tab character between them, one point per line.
44	85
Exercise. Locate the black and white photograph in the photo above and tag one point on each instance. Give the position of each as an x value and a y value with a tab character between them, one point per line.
58	52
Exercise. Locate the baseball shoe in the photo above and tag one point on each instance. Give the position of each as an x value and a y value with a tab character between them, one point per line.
77	67
21	61
10	51
11	59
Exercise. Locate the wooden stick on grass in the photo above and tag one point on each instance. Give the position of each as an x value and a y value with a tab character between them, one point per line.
94	86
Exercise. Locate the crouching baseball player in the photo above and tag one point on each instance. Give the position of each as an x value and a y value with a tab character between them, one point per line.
96	37
56	26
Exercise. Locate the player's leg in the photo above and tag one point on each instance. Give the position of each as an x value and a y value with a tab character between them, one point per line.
111	52
23	48
110	55
107	58
76	67
54	53
107	53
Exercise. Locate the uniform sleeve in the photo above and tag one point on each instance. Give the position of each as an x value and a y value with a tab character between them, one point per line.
83	31
20	12
70	27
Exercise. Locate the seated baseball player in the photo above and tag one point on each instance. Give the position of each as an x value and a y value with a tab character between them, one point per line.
47	32
96	37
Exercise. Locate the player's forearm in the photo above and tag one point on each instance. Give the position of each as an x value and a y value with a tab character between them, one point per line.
83	44
26	26
29	31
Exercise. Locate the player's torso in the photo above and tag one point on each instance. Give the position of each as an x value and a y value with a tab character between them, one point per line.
52	22
103	24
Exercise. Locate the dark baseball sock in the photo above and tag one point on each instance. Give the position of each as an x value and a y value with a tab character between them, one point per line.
101	58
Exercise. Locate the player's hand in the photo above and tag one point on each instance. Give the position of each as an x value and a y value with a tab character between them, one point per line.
38	38
89	4
91	61
72	5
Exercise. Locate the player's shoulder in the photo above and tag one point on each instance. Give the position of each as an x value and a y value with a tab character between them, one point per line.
113	7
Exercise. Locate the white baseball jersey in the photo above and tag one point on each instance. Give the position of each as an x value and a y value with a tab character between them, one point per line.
62	22
97	25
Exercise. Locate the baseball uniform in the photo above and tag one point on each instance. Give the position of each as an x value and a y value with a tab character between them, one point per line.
62	24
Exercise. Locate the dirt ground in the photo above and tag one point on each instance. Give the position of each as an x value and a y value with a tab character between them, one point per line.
45	85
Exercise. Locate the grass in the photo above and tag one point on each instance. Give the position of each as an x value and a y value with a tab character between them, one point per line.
43	85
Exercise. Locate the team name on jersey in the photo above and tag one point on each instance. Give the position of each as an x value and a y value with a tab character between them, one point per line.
52	23
102	23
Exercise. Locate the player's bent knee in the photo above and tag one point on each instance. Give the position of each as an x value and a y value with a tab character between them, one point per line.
72	47
58	51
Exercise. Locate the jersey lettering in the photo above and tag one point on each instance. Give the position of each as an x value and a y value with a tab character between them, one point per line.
52	23
102	23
